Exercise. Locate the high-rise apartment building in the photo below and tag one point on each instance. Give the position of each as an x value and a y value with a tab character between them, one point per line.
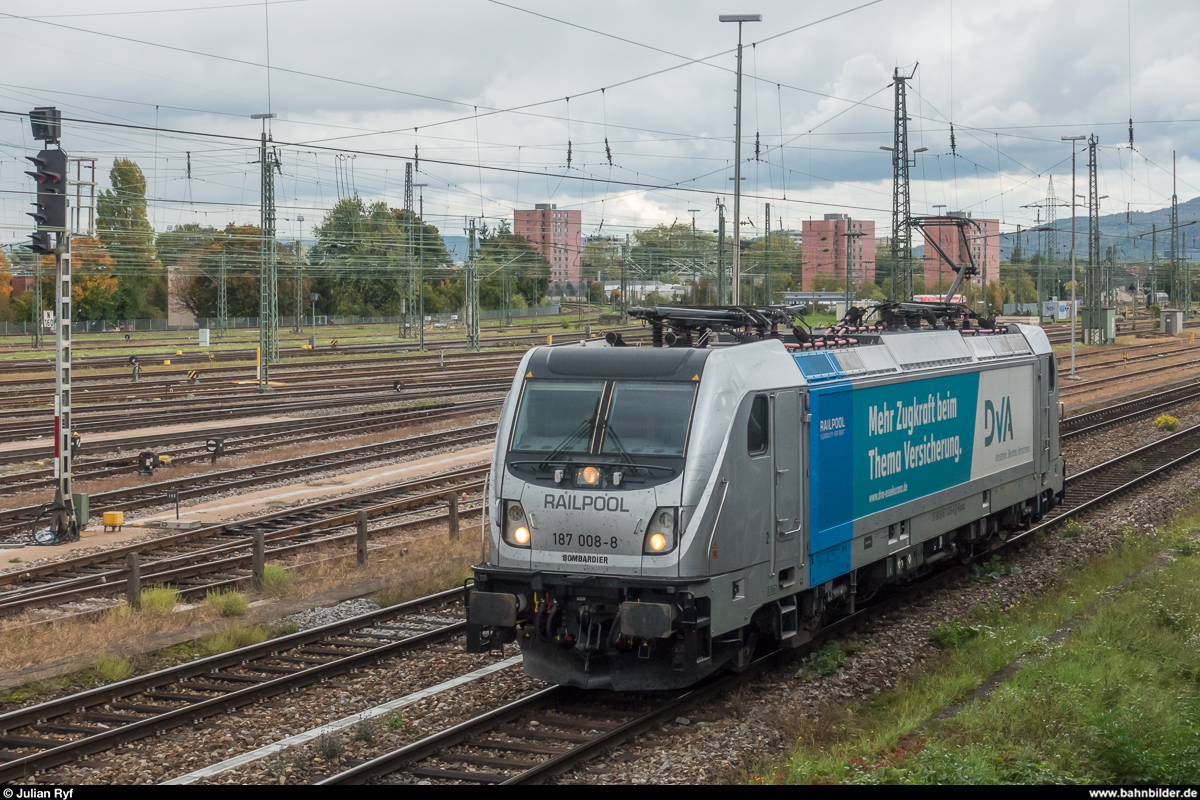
557	235
982	239
823	247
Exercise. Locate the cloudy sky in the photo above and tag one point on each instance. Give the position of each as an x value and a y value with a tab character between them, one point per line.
481	89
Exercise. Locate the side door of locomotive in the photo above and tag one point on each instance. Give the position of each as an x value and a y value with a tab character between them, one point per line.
788	485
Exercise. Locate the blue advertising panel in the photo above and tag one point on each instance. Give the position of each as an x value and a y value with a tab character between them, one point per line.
875	448
912	439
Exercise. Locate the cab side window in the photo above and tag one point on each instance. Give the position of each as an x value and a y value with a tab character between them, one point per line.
756	428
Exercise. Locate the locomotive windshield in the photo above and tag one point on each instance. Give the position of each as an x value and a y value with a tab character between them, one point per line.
648	419
558	416
619	418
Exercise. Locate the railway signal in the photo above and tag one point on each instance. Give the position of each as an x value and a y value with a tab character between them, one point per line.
50	216
216	447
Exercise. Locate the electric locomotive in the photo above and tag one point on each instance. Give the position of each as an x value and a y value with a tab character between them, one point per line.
659	513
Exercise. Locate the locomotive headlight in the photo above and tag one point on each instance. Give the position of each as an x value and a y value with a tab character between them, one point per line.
516	526
588	476
661	532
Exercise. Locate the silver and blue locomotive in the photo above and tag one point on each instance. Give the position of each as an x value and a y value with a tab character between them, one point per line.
659	513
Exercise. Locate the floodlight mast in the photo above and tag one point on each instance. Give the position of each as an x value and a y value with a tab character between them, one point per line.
737	157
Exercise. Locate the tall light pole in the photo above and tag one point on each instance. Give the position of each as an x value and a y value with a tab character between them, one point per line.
737	158
1073	140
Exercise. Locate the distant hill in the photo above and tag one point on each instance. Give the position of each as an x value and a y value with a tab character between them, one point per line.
1115	231
457	247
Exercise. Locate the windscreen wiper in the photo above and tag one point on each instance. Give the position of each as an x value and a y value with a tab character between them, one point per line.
623	452
573	435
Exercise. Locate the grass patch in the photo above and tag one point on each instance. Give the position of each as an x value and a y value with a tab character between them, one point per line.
159	600
827	661
234	637
1072	530
366	731
1112	705
14	561
226	602
393	720
276	579
951	634
993	570
112	669
328	746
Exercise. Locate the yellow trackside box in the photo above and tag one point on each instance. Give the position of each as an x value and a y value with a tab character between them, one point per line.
114	519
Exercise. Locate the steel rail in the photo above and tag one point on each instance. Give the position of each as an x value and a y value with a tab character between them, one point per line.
325	663
341	509
12	521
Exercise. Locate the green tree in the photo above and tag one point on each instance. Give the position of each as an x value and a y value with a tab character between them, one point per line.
123	228
502	251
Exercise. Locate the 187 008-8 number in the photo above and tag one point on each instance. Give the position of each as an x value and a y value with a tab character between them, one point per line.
592	540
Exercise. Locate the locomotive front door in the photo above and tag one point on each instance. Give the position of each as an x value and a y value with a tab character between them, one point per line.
788	478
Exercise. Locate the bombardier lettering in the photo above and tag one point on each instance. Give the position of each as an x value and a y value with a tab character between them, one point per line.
585	502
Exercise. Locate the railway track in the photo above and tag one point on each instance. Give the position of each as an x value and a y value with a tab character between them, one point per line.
1120	413
500	746
187	559
201	357
1079	387
262	435
185	411
61	731
312	429
12	521
556	729
95	392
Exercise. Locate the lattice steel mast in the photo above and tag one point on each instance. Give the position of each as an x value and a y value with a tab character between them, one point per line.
409	300
471	307
902	277
1094	333
268	306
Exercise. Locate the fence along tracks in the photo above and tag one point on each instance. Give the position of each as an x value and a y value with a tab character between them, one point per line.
60	731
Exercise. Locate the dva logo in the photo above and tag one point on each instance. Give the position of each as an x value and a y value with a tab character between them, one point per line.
997	422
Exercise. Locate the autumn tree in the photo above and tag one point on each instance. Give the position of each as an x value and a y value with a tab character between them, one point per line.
94	284
5	289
